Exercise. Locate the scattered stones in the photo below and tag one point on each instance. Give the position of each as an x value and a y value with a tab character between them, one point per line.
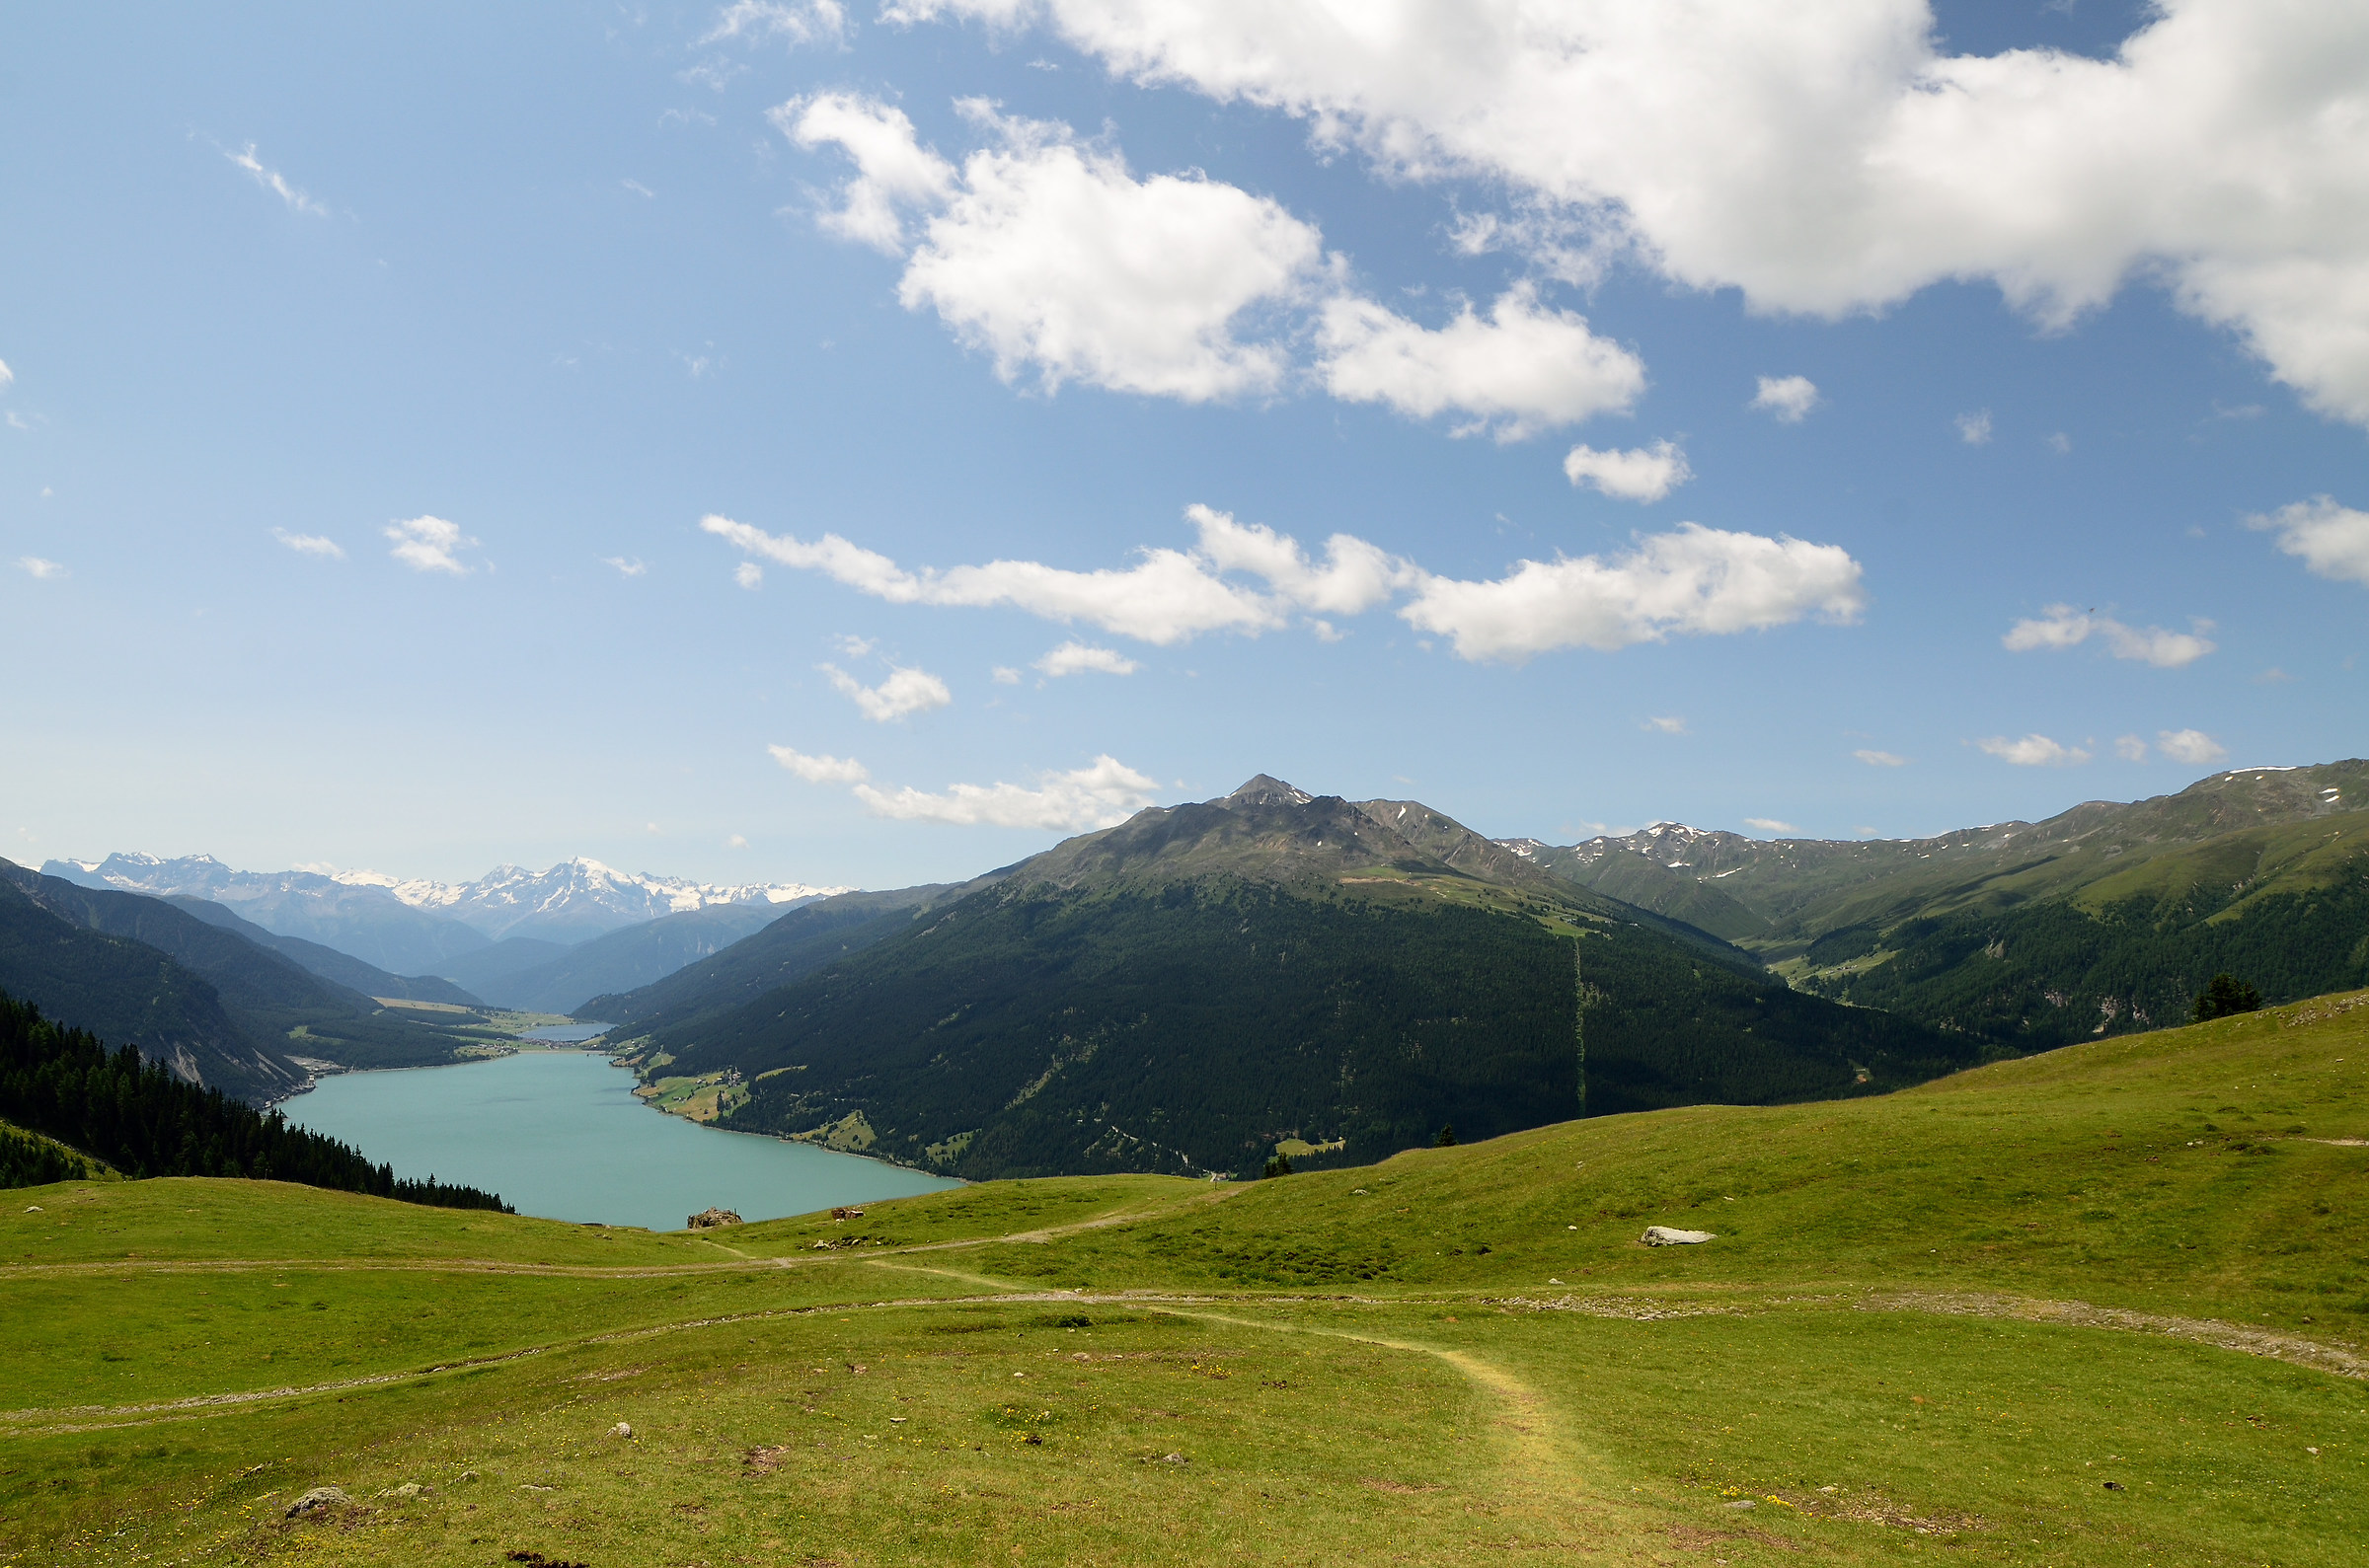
35	1209
407	1489
842	1213
318	1498
2114	1487
710	1219
623	1429
1670	1236
1176	1459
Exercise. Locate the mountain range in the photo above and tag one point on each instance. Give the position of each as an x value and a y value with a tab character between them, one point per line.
2106	918
416	927
1208	983
217	1001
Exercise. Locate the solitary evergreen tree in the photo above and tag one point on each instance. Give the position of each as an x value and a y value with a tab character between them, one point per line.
1446	1138
2225	996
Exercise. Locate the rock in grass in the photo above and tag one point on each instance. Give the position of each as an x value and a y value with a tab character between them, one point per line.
623	1429
320	1497
710	1219
1669	1236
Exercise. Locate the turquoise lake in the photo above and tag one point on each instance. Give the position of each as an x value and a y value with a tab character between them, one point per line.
559	1134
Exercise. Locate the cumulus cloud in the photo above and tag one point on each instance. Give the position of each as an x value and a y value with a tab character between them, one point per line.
626	565
2191	746
35	567
427	544
2130	748
1004	675
1769	825
904	692
272	180
2060	627
1076	658
1788	397
2332	541
894	174
748	574
1832	159
1975	428
1692	580
2033	751
763	20
1641	473
1104	792
1521	370
820	768
8	377
1049	256
1667	725
311	544
1880	759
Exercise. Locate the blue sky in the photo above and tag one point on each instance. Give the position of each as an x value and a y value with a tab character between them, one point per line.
549	291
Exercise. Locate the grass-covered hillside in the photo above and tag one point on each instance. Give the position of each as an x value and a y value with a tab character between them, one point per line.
2104	1306
2106	919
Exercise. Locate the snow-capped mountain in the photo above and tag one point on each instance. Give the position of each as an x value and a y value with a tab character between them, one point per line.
416	925
575	900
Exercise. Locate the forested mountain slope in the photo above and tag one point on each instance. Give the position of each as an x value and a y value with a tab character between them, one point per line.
342	969
790	948
1192	989
274	1008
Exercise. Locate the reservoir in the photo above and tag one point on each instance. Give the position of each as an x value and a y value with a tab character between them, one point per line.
559	1134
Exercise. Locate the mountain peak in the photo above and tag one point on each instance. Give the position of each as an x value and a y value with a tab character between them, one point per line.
1264	790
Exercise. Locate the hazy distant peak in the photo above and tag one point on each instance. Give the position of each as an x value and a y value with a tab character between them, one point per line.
1264	790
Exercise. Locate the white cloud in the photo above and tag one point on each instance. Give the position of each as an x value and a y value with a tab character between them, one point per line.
35	567
1788	397
759	21
427	544
1880	759
640	189
904	692
2060	627
1053	258
1104	792
2033	751
2191	746
894	173
1641	473
272	179
1170	595
2059	443
1522	370
2332	541
1831	159
1975	428
1005	675
626	565
1074	658
8	377
1769	825
1667	724
736	841
2130	748
1694	580
311	544
1048	254
820	769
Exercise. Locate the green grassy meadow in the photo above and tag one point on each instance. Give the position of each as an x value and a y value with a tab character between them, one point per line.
2103	1306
